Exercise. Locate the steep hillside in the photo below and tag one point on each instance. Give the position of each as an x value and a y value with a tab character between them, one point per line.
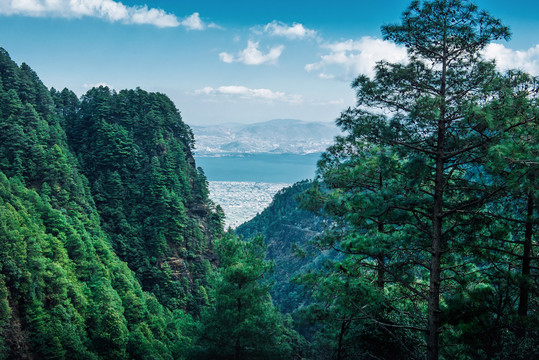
135	150
64	292
286	228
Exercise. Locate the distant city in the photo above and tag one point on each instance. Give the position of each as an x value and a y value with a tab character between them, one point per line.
241	201
247	164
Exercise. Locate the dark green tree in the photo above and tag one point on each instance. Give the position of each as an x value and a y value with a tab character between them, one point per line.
414	206
136	152
286	227
243	323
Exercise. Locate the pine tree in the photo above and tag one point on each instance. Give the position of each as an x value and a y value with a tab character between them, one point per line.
440	116
243	323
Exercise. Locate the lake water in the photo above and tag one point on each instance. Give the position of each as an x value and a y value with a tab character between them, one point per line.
265	168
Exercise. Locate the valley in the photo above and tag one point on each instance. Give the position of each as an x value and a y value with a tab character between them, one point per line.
264	181
242	200
243	183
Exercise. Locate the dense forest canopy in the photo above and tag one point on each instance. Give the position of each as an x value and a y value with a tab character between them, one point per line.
107	235
417	239
63	289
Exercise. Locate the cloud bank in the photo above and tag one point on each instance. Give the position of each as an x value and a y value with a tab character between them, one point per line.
347	59
252	56
110	10
353	57
508	59
247	93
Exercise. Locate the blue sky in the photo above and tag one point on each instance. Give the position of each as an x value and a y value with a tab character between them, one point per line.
228	61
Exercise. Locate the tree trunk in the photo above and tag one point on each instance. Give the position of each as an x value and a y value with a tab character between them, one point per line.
435	267
344	327
433	325
437	222
526	260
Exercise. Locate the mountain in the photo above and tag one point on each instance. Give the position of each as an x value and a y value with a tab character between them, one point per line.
136	153
286	227
275	136
109	245
106	230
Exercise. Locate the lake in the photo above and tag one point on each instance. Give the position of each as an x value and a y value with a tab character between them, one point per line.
265	168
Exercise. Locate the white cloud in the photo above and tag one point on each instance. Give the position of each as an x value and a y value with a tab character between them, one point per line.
143	15
357	57
215	26
247	93
508	59
194	22
206	90
226	57
326	76
110	10
252	56
295	31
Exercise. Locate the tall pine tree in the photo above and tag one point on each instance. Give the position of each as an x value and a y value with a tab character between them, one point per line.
412	177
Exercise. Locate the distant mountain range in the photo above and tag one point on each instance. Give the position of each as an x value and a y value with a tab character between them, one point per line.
274	136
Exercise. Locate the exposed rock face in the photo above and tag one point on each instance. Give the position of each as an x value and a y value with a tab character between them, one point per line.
179	268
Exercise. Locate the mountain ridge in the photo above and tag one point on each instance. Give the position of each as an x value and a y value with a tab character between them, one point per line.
277	136
106	231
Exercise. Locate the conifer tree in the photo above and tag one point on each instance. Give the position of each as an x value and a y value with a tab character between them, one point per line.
440	115
243	323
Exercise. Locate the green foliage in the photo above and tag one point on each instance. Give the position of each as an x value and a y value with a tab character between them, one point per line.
64	293
286	227
242	322
433	232
136	153
79	307
429	207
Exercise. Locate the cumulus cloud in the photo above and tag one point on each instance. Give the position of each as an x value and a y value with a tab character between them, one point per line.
247	93
294	31
353	57
226	57
508	59
194	22
143	15
109	10
251	55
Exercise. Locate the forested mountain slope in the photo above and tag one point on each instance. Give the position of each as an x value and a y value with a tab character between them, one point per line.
135	151
111	249
431	196
64	292
287	228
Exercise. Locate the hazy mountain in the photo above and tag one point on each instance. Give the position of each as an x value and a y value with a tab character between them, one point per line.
275	136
